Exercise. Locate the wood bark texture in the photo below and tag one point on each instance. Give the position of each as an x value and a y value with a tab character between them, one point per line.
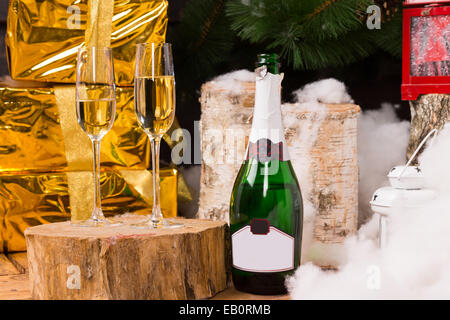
322	143
428	112
66	262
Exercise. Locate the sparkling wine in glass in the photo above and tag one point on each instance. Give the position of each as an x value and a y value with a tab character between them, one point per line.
154	102
96	108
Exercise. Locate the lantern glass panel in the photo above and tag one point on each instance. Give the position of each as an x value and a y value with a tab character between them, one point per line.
430	46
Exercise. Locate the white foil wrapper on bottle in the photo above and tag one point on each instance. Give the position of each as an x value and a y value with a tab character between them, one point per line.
267	122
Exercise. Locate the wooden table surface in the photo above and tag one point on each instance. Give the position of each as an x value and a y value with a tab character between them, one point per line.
14	284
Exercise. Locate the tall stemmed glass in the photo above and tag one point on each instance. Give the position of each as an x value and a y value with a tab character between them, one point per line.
154	101
96	109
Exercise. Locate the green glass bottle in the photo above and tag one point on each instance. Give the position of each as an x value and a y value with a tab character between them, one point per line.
266	209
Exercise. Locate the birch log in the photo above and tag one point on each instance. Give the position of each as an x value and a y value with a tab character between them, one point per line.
322	143
428	112
224	129
127	263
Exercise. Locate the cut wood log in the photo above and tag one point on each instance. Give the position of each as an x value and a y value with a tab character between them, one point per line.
67	262
428	112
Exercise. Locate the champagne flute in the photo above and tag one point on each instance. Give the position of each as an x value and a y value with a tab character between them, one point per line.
96	108
154	102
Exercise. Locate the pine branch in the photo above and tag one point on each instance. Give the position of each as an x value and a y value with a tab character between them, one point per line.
389	37
320	9
208	23
298	28
334	18
310	54
202	39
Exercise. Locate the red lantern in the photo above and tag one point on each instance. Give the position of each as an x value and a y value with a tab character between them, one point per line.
426	48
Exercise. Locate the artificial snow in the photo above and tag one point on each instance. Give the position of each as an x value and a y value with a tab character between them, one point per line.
415	261
232	81
382	142
433	161
323	91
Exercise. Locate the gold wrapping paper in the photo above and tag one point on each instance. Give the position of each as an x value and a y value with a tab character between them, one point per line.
38	134
43	36
31	199
46	163
99	23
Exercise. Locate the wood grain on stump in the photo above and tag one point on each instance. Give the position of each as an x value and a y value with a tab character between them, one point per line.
67	262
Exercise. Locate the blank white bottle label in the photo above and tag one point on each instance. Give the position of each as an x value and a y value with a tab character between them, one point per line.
271	252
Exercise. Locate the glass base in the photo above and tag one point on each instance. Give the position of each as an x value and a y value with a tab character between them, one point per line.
163	224
99	222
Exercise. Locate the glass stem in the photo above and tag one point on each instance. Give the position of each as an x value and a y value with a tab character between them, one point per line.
156	211
97	212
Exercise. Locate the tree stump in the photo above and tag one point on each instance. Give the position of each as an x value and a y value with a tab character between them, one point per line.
428	112
67	262
322	144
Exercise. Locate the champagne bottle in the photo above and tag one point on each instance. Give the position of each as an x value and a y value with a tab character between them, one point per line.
266	209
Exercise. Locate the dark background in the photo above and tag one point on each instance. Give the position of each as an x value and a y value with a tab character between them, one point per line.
3	14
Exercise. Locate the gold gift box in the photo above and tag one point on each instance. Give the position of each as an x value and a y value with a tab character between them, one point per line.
31	199
38	134
46	163
43	35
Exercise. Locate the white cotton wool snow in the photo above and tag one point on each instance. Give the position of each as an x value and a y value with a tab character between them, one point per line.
382	143
435	161
323	91
232	81
414	264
